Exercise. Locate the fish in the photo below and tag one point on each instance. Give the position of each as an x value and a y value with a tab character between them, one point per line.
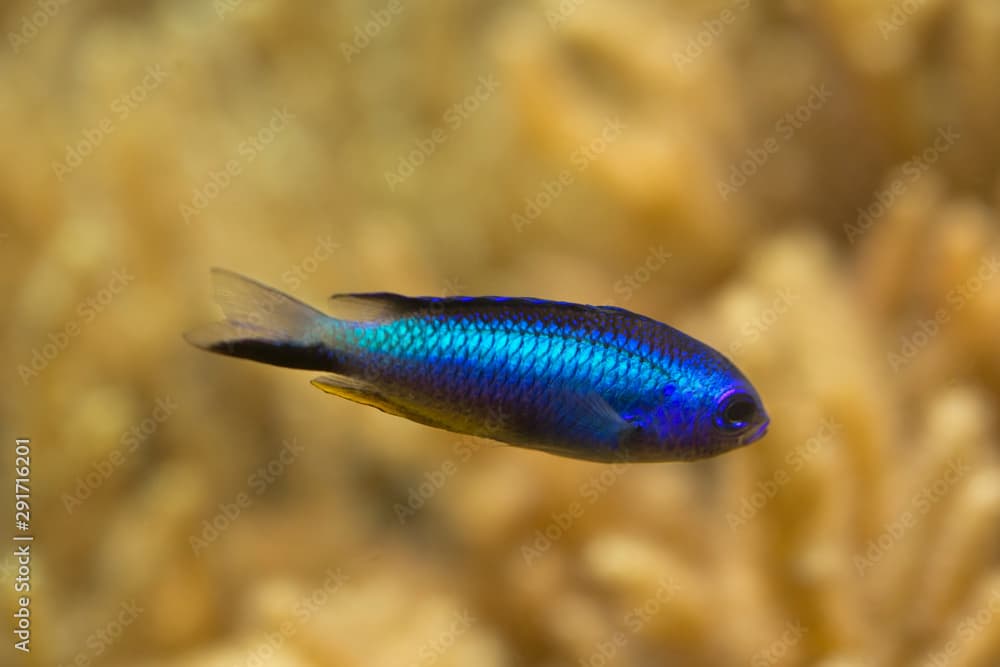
598	383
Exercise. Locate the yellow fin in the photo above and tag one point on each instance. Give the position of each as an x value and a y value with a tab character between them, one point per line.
366	393
358	391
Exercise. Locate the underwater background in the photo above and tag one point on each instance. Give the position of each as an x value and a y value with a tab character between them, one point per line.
810	187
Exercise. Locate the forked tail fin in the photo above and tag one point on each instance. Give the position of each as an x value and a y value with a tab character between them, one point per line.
265	325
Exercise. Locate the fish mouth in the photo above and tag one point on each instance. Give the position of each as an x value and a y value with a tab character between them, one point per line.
759	433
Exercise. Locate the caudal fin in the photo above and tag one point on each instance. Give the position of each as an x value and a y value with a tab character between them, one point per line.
265	325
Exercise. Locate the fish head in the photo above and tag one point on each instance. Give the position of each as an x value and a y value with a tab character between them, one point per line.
706	409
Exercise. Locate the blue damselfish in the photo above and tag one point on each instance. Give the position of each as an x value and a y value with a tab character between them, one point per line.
589	382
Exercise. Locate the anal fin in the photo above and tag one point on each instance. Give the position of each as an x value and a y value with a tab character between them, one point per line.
366	393
350	388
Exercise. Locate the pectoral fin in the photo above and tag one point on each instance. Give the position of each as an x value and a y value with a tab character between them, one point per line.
588	428
598	418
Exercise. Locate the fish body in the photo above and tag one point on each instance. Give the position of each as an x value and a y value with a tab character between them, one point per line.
590	382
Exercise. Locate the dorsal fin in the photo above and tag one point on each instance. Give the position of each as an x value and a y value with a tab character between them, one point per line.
388	306
374	306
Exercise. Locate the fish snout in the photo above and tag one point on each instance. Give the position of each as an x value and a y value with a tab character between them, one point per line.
757	433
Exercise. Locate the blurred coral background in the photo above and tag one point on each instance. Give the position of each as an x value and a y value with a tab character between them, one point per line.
810	187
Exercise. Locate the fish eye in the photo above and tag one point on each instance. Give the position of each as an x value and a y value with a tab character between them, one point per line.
736	411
